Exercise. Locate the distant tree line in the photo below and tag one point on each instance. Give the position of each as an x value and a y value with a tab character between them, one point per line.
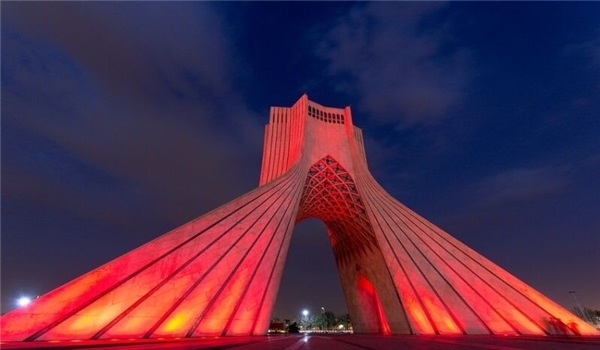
325	321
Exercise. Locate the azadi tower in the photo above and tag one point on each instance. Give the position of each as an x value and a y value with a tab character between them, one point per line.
219	274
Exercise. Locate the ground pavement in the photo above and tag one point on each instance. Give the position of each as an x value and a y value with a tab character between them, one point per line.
325	342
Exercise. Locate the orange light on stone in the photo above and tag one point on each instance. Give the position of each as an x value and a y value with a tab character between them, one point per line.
219	274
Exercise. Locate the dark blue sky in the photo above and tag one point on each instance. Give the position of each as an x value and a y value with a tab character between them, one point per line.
123	120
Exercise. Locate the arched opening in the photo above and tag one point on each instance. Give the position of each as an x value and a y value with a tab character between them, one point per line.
331	195
310	278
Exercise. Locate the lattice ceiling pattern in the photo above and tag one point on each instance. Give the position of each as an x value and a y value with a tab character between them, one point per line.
219	274
330	194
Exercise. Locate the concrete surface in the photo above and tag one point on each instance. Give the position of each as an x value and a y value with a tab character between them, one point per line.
327	342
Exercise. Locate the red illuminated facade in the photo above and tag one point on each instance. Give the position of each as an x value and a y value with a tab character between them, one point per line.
219	274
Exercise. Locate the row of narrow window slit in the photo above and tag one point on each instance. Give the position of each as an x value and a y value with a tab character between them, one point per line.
325	116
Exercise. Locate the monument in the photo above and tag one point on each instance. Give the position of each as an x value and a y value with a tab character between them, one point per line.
219	274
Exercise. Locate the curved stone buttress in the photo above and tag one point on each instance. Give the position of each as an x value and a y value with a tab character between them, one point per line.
219	274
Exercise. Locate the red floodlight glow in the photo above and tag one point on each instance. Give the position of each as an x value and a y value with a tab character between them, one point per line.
218	275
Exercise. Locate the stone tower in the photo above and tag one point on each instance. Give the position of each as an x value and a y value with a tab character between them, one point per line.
219	274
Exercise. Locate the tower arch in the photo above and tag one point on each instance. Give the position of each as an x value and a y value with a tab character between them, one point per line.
219	274
331	195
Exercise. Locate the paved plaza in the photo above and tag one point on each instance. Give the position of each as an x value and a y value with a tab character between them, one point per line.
328	342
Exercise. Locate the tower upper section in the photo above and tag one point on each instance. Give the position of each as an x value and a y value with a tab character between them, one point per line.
307	132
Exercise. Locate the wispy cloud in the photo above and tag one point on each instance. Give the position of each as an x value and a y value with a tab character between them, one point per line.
590	49
521	184
401	72
585	54
125	93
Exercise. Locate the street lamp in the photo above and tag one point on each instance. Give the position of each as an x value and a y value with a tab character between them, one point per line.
305	319
23	301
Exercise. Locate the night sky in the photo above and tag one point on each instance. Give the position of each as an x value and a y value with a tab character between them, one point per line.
123	120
